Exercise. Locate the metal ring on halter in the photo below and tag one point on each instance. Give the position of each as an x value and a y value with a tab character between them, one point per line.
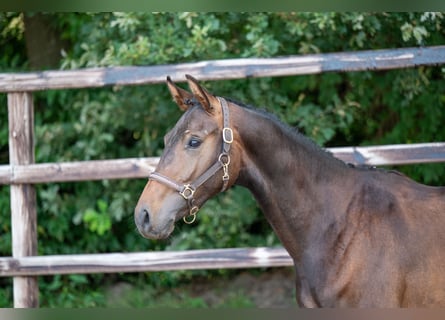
193	212
188	192
224	158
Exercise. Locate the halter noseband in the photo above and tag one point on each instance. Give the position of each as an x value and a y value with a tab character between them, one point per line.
187	190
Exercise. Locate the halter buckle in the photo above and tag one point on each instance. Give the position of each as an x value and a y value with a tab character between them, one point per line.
192	213
187	192
227	135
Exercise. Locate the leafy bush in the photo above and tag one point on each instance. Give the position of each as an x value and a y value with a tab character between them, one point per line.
400	106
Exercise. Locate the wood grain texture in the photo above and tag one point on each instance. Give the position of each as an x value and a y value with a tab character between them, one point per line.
396	154
225	69
78	171
146	261
23	196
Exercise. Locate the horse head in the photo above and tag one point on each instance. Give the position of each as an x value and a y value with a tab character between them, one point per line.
200	159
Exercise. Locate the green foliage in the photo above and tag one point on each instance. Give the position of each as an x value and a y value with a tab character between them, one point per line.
399	106
5	222
6	299
69	291
229	228
98	221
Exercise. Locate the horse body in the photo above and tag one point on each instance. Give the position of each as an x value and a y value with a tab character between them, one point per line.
358	237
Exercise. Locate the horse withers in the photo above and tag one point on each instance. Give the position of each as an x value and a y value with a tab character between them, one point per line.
358	237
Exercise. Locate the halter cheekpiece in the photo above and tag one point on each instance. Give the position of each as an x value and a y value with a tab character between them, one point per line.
187	190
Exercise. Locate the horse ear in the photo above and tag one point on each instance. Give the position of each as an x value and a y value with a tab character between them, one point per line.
206	99
182	97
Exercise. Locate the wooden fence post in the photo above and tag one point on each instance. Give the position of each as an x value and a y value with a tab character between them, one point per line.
23	196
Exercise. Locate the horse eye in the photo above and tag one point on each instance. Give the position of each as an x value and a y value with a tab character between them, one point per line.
194	143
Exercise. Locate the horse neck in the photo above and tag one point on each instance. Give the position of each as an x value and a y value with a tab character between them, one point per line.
291	178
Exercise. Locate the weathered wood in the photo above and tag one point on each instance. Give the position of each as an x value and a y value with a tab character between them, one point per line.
78	171
141	167
23	196
396	154
225	69
146	261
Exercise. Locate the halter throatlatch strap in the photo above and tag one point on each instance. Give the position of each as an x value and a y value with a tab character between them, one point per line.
187	190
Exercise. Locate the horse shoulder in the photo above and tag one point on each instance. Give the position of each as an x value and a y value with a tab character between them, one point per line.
406	223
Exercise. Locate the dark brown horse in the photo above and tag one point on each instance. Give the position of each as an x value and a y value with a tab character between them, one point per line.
358	237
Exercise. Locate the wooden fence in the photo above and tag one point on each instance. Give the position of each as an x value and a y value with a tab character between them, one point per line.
22	172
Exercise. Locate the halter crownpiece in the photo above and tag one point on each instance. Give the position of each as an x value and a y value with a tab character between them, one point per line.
187	190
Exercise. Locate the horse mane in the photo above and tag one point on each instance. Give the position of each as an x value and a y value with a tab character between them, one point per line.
291	132
306	141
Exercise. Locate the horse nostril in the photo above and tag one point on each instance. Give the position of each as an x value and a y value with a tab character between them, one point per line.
142	218
145	217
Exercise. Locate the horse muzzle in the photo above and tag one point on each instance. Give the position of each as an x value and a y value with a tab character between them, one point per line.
150	226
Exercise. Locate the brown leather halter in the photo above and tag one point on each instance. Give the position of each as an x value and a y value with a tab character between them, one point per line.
187	190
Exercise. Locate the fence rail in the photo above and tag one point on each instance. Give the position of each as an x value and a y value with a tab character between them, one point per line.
225	69
397	154
146	261
22	173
